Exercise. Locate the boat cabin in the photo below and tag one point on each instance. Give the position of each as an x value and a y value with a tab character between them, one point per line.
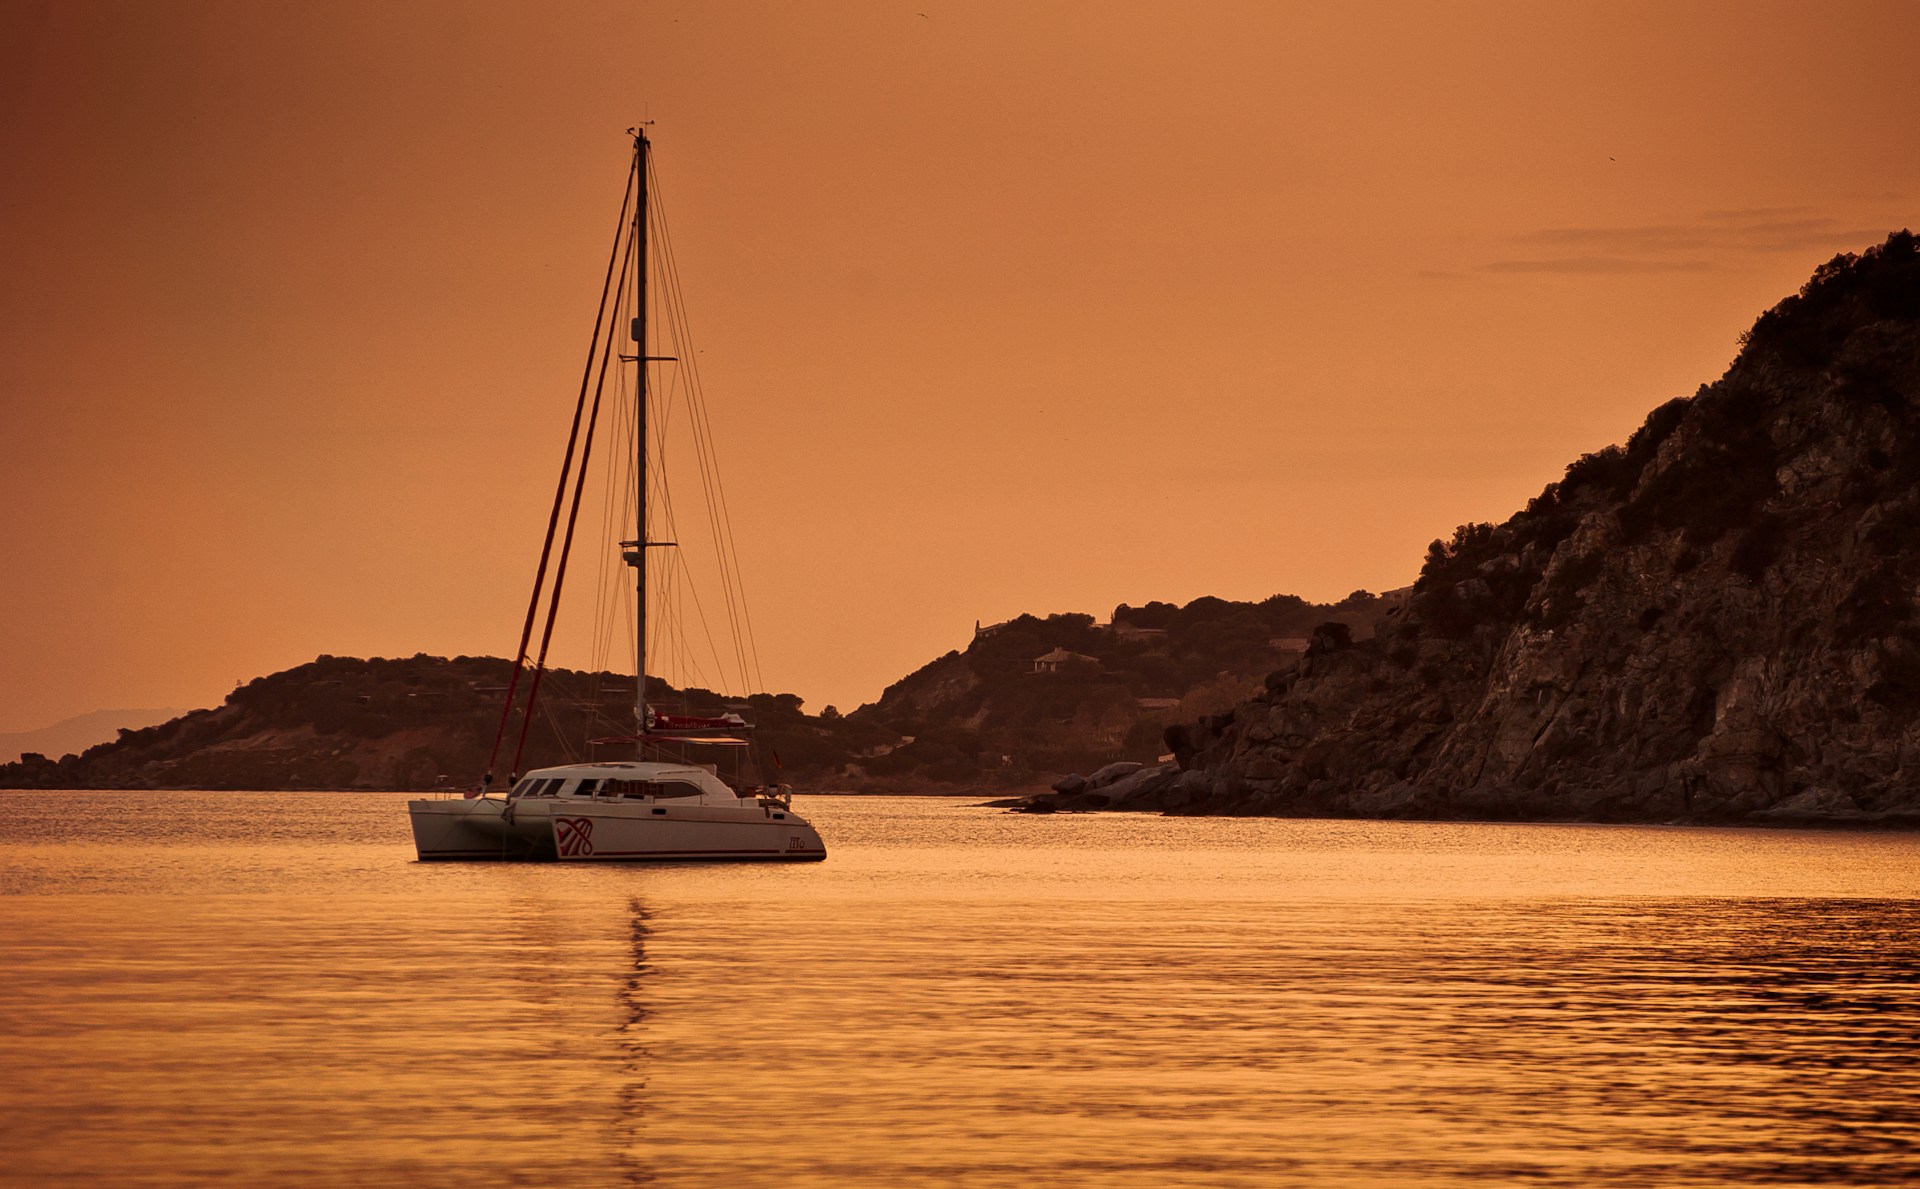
628	780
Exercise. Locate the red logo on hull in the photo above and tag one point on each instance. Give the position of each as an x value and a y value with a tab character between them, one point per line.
573	836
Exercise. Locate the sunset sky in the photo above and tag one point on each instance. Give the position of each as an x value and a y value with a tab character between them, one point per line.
1004	307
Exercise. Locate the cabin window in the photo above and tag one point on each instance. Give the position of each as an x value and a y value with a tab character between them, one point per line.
657	809
624	788
588	788
669	789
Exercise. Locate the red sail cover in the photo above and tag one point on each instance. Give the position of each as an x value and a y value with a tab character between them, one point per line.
685	722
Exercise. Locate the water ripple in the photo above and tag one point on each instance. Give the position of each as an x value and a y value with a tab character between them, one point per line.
263	989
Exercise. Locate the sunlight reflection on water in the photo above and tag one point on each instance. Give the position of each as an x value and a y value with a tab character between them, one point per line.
265	989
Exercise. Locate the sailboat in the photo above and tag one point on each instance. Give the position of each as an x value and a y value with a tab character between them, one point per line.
661	804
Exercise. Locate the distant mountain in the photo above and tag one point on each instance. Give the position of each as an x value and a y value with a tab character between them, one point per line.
1023	699
1718	621
76	734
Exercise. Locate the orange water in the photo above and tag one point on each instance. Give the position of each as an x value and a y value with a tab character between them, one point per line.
265	989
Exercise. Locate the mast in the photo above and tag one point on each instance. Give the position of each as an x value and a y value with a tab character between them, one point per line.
639	555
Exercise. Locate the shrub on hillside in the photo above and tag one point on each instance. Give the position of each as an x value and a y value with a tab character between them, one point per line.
1809	328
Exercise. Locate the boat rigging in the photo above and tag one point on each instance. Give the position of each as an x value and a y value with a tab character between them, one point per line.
659	804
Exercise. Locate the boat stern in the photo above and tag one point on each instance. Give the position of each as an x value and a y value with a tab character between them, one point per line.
477	828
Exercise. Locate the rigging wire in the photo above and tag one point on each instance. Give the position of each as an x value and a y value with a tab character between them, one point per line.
700	430
613	598
672	582
566	544
620	236
670	630
662	498
719	514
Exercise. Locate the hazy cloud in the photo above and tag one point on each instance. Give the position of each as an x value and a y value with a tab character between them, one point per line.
1699	245
1598	264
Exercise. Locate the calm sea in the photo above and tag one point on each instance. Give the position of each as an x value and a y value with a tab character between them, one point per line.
266	989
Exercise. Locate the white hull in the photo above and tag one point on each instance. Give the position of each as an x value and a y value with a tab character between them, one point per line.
579	829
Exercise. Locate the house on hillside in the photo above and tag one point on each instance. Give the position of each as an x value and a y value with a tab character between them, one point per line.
980	633
1058	658
1296	644
1127	631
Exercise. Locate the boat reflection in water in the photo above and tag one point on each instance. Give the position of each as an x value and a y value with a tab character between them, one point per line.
630	1090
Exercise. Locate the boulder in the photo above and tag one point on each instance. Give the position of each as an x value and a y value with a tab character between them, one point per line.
1103	777
1133	791
1392	801
1813	804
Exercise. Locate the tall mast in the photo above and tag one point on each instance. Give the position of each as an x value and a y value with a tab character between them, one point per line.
639	554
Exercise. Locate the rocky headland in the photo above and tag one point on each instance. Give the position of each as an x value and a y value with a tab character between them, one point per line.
1715	622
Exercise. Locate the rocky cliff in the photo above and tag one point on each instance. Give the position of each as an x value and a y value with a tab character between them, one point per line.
1715	622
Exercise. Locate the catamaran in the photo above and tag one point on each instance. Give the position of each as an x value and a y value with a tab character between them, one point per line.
661	804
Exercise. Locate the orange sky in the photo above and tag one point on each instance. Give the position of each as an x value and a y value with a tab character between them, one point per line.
1005	307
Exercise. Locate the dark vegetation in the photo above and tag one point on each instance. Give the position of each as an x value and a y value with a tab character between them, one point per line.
1842	326
1807	330
984	715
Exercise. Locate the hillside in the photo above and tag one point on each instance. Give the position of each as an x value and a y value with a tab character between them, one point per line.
1033	696
421	722
79	732
989	716
1714	622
